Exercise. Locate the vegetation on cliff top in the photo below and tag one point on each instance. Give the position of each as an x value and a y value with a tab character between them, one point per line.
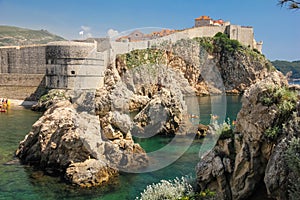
140	57
220	44
12	36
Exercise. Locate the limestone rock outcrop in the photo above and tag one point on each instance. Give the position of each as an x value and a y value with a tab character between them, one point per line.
164	114
71	143
254	155
205	71
53	96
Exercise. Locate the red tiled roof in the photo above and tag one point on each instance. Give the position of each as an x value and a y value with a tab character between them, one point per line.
204	17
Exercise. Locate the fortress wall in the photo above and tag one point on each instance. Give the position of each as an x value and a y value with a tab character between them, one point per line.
244	35
125	47
23	60
22	86
74	65
68	49
205	31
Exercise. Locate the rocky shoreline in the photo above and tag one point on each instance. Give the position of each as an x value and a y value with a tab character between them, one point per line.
254	155
87	136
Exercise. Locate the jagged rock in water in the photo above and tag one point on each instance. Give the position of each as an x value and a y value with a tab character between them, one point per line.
235	170
70	143
89	173
164	114
122	152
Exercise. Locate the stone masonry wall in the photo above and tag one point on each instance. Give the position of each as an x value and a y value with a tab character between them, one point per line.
22	86
74	65
23	60
22	71
80	65
244	35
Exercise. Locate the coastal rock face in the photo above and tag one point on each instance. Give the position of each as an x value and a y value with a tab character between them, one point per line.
164	114
253	152
255	157
121	151
153	91
278	175
72	144
205	71
53	96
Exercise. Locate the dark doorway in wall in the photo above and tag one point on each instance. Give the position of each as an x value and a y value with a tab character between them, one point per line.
73	72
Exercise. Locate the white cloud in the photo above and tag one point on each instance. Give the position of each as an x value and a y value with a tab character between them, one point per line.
112	33
85	32
85	28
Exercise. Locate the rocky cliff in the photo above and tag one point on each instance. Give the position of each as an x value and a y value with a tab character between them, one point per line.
254	155
210	65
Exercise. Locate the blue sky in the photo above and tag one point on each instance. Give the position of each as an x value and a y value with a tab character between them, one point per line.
277	27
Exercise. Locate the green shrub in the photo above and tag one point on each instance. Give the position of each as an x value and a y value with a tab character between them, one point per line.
293	160
284	98
223	130
286	107
206	43
285	101
223	43
141	57
272	133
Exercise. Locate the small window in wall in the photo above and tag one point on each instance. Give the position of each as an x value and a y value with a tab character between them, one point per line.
73	72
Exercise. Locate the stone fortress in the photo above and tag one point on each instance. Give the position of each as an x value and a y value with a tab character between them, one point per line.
25	71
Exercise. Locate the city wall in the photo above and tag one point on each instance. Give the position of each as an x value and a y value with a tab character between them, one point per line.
23	60
245	35
22	86
74	65
25	71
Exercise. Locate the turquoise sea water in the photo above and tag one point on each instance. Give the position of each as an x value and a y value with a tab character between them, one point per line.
23	182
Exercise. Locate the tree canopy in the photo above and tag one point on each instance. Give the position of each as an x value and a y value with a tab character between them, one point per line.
291	4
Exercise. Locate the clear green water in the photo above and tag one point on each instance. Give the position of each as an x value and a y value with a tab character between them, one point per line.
23	182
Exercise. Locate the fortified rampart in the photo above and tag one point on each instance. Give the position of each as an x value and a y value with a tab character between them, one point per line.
244	34
74	65
23	59
27	70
